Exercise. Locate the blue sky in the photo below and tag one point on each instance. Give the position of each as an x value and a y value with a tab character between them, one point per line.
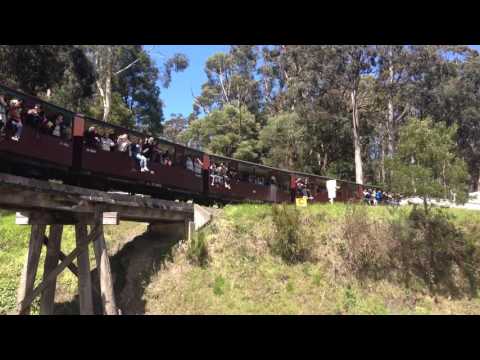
178	97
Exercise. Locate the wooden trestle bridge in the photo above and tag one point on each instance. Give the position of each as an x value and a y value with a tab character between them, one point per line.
43	203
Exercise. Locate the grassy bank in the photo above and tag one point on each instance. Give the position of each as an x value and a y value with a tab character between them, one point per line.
243	277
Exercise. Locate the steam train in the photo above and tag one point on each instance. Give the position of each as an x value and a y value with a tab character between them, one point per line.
71	161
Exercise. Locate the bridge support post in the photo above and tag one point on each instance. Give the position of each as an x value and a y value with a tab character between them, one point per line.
46	289
29	272
47	299
104	271
84	278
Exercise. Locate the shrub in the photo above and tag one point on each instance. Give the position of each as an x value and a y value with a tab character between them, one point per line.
219	286
197	251
365	250
439	252
425	246
289	242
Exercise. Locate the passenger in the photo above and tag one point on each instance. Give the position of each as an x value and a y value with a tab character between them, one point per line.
123	143
59	128
213	173
115	146
273	180
3	112
223	174
107	142
189	164
15	118
91	138
197	167
136	149
167	161
36	119
149	149
379	197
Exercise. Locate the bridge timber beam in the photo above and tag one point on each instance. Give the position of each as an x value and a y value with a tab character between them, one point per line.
25	194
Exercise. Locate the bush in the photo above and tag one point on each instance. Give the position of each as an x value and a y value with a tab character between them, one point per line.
365	250
197	251
289	242
439	252
425	246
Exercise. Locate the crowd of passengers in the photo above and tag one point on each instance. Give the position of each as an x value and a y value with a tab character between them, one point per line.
302	188
222	175
143	151
376	197
14	116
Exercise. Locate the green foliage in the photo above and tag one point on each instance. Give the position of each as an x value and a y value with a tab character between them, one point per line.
197	251
420	247
283	139
290	242
426	164
34	68
364	249
219	286
436	248
230	132
120	114
231	80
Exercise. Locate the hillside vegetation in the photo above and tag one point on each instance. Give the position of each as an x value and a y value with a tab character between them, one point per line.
255	259
350	260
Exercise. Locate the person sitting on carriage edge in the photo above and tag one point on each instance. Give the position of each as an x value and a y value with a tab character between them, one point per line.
167	161
189	163
59	129
36	119
149	150
136	150
197	167
123	143
15	118
107	142
91	138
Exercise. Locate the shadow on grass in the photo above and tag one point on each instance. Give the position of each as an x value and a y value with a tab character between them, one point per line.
132	267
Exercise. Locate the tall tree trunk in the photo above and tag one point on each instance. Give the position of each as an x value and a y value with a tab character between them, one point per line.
356	140
104	64
390	129
391	118
107	104
382	161
108	84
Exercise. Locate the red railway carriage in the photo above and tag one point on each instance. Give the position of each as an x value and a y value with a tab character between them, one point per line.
34	144
122	165
185	175
249	182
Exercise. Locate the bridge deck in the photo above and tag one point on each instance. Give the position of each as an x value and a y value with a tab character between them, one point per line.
25	194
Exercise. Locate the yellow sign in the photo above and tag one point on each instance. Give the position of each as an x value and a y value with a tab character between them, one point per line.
302	202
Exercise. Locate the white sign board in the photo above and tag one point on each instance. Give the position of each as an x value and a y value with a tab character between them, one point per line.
332	189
